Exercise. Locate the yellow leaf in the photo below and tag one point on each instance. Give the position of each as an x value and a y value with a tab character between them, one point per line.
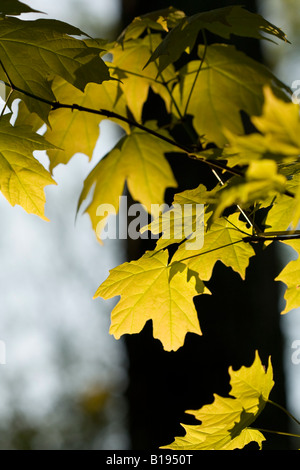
139	160
283	210
223	241
128	66
73	131
225	422
262	180
183	221
32	52
279	133
290	275
150	290
22	177
239	82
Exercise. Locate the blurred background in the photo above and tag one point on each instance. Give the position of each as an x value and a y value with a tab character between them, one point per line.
65	379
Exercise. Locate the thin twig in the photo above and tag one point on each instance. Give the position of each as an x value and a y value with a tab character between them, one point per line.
285	411
197	73
273	236
163	82
239	207
205	252
10	84
111	114
277	432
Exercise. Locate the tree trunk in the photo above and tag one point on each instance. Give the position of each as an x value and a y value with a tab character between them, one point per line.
237	319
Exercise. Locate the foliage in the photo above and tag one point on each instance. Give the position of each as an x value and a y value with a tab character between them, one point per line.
225	423
67	83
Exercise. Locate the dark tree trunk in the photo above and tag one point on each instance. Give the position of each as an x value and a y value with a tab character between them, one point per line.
237	319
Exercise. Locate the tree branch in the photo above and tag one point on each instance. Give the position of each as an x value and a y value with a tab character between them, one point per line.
111	114
190	152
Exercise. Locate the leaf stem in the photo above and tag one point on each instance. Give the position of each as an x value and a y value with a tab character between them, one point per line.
285	411
205	252
174	102
277	432
197	73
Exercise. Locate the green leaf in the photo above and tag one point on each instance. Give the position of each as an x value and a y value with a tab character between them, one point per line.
22	177
290	276
135	81
222	22
225	422
32	52
137	159
239	82
14	7
223	241
150	291
160	20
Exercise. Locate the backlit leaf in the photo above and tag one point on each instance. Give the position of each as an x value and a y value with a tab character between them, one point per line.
150	291
290	276
283	210
279	133
22	177
222	22
137	159
225	423
184	220
82	132
32	52
262	181
239	82
222	242
128	66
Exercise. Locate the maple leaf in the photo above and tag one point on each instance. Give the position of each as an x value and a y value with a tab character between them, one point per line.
82	132
222	21
278	137
262	181
150	290
283	210
184	220
225	422
137	159
32	52
290	276
22	177
223	241
135	80
240	81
